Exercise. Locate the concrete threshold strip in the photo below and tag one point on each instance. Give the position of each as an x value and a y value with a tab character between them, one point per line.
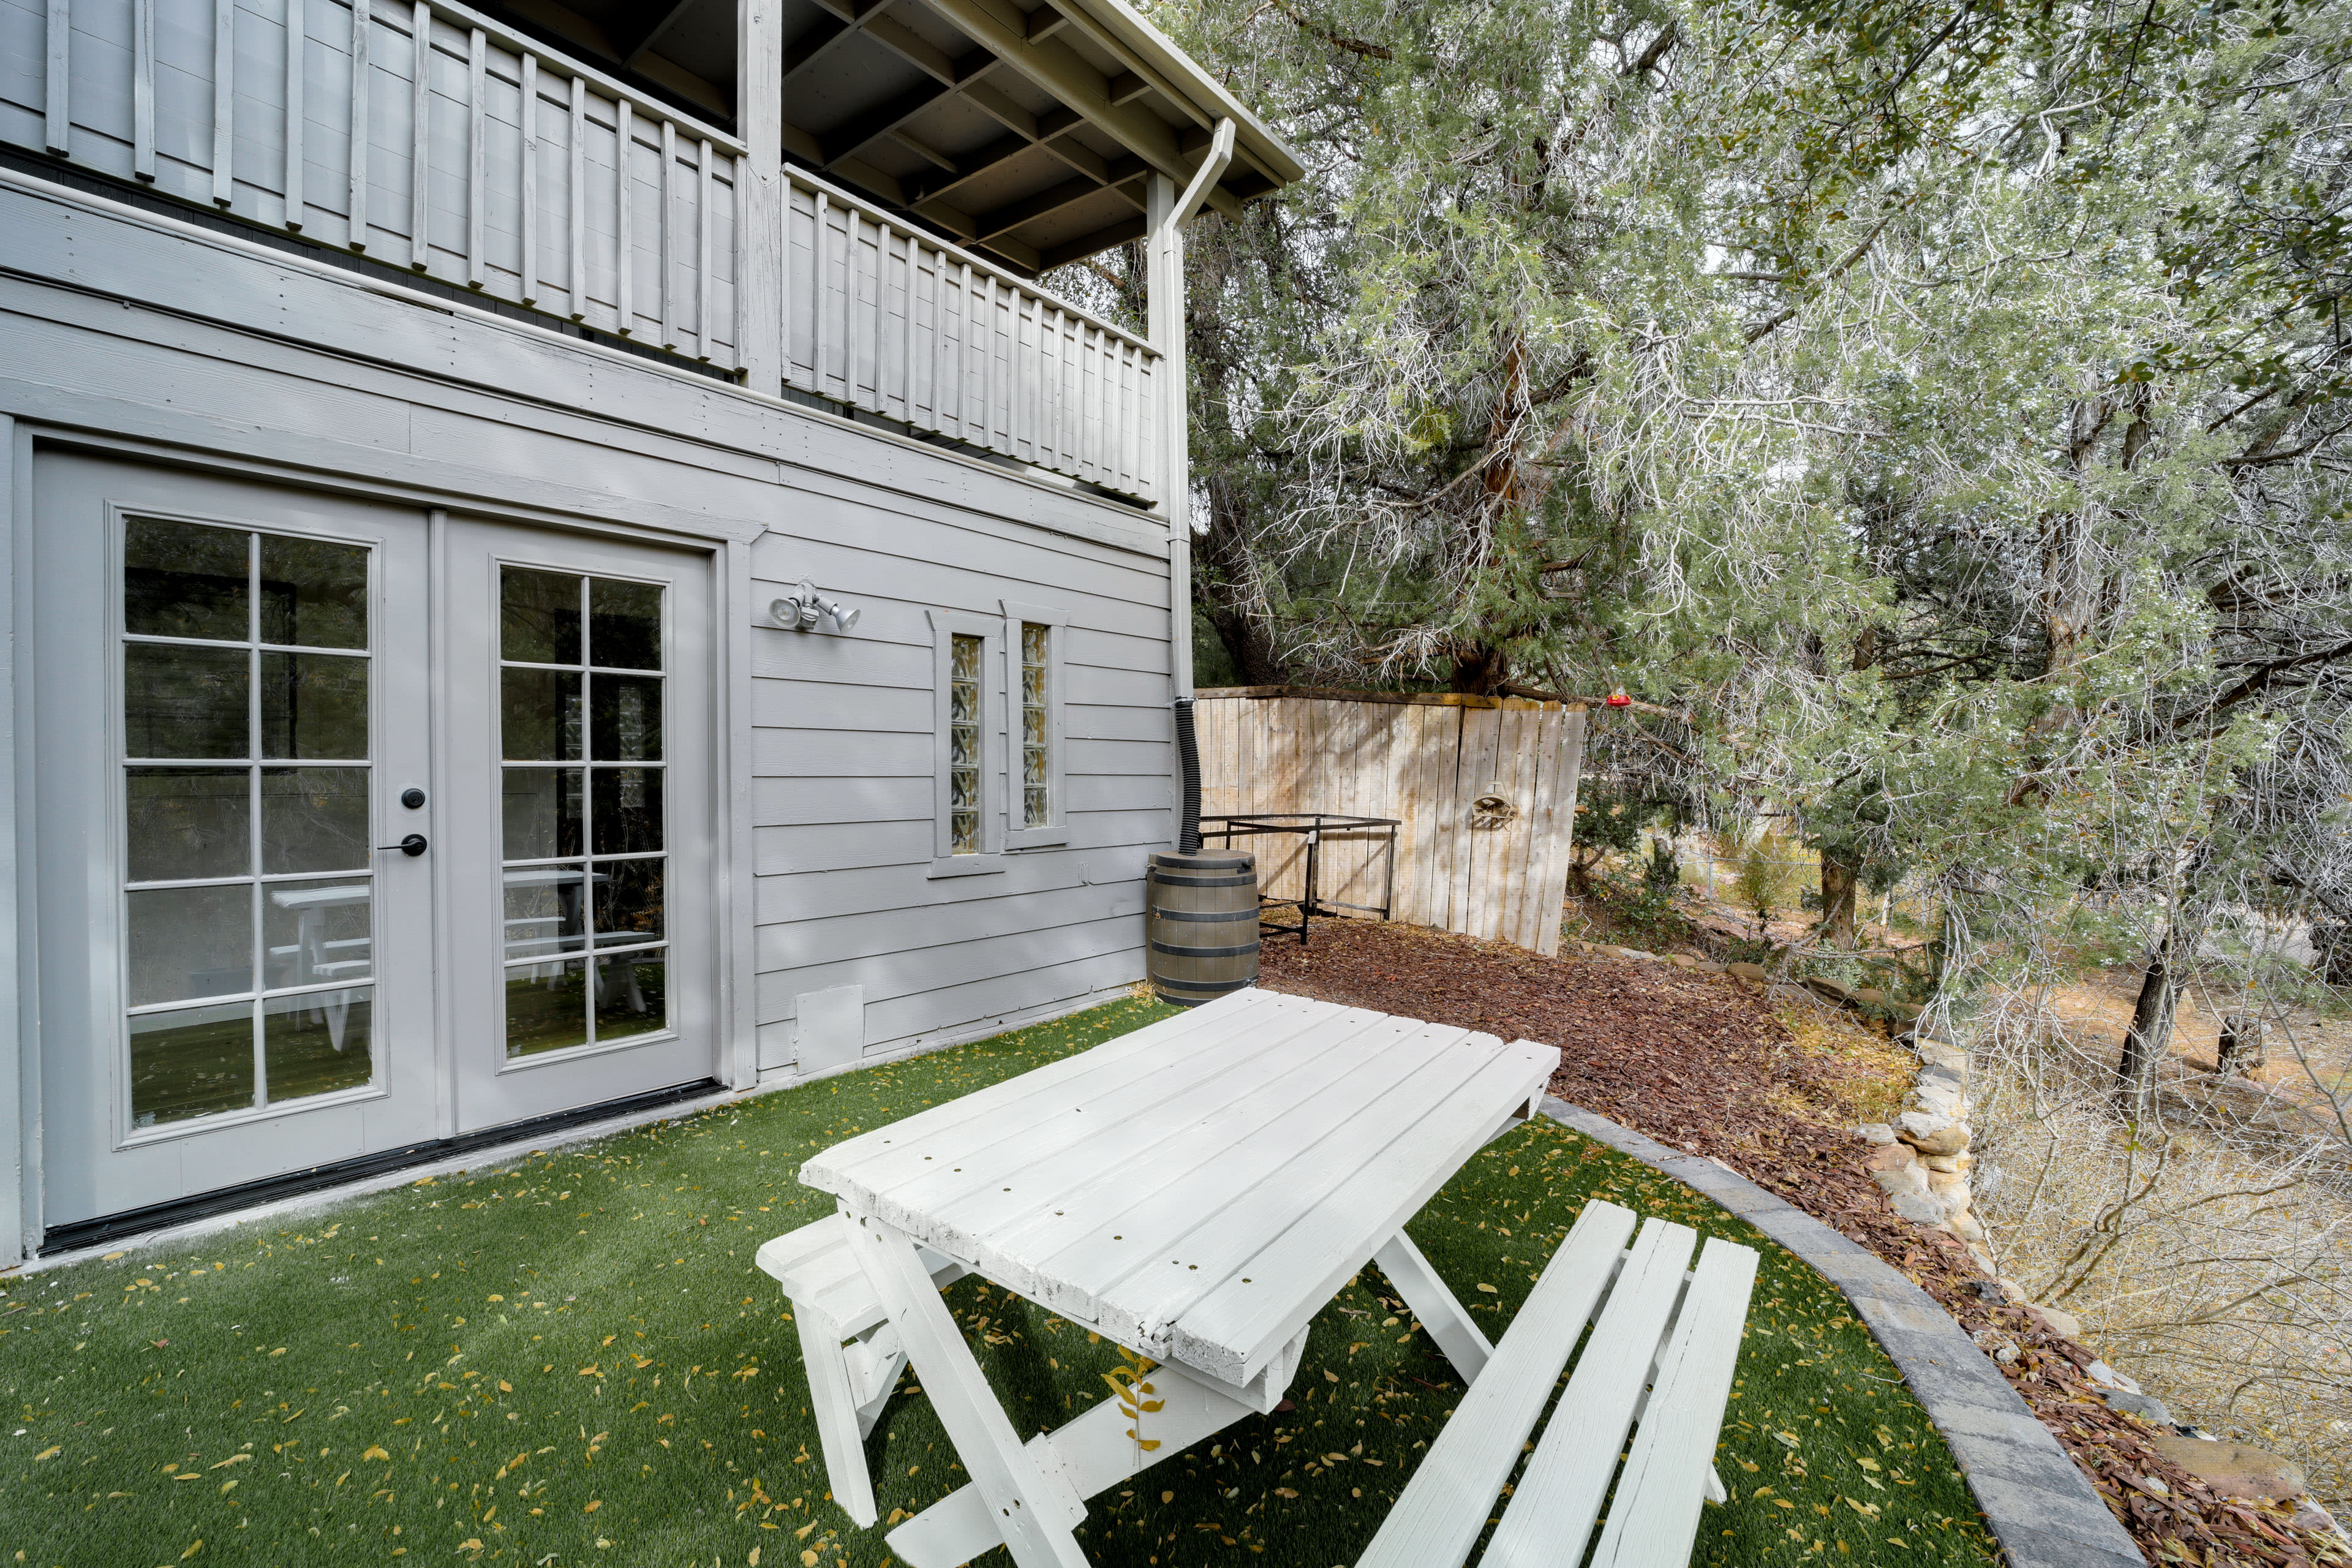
2042	1510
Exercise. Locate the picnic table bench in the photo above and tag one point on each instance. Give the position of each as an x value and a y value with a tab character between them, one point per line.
1196	1192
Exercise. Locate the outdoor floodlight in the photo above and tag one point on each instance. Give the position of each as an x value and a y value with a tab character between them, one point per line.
802	609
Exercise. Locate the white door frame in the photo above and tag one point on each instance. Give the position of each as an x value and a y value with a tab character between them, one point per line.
727	541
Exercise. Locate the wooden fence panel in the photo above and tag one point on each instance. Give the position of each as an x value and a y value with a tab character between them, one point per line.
1426	763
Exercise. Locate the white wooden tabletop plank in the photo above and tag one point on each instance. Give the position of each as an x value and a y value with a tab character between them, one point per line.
1558	1500
1260	1129
1277	1176
1128	1159
1114	1120
1448	1500
876	1161
1655	1516
1306	1263
1156	1196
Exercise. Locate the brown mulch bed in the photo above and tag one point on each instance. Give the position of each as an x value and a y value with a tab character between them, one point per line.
1702	1062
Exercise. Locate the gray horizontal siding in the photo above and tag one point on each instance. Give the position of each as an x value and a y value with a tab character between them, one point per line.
840	737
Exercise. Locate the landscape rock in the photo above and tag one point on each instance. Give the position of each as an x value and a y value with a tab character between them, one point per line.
2065	1325
2309	1515
1919	1208
2105	1376
1965	1226
1931	1134
1984	1260
1947	1183
1682	960
1937	1053
2011	1290
1903	1181
1821	985
1891	1156
2234	1469
1754	971
2146	1407
1875	1132
1960	1162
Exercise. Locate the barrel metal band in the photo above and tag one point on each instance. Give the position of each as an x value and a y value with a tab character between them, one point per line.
1165	880
1172	951
1206	985
1205	915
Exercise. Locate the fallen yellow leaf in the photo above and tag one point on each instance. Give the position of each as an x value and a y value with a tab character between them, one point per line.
375	1451
594	1504
46	1454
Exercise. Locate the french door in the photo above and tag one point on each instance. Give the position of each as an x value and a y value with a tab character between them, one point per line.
579	705
351	838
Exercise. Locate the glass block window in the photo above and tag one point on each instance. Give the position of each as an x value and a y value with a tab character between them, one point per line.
963	743
1036	725
580	700
247	899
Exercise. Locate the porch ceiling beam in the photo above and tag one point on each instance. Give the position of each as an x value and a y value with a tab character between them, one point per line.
960	172
922	149
1028	209
1045	22
1052	65
842	19
1103	239
863	130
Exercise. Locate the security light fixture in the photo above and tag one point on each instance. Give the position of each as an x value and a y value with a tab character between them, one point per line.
803	609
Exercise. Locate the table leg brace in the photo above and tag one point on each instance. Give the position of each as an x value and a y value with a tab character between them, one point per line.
1093	1452
1448	1323
1030	1509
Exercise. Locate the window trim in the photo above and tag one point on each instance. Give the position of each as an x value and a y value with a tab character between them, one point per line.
947	625
1056	833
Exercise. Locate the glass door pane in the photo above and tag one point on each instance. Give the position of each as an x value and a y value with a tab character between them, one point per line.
247	974
580	691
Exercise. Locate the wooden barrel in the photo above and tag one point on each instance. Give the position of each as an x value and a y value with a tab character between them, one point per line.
1200	920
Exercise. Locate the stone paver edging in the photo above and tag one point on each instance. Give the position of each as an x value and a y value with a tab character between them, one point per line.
2042	1510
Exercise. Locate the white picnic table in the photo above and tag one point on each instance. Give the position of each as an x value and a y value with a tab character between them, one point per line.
1196	1192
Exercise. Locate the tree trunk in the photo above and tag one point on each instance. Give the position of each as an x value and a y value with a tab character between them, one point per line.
1480	669
1839	881
2150	1035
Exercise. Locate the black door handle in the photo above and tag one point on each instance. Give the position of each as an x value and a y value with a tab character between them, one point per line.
413	844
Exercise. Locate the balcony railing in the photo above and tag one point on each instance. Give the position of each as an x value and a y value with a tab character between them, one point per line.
894	321
502	167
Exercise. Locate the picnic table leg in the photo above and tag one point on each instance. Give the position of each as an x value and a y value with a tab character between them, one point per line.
1448	1323
1094	1452
835	1405
1032	1507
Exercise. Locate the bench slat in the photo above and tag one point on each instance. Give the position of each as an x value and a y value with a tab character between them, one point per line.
1655	1516
1553	1508
1438	1518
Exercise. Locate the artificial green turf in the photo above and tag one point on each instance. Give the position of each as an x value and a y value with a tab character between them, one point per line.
570	1358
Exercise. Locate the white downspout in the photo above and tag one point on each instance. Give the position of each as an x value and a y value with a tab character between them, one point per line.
1164	291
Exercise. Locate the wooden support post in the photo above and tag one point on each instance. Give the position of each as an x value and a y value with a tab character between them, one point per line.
362	25
666	192
224	98
477	193
760	196
142	90
420	130
296	24
530	99
576	194
56	106
624	137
